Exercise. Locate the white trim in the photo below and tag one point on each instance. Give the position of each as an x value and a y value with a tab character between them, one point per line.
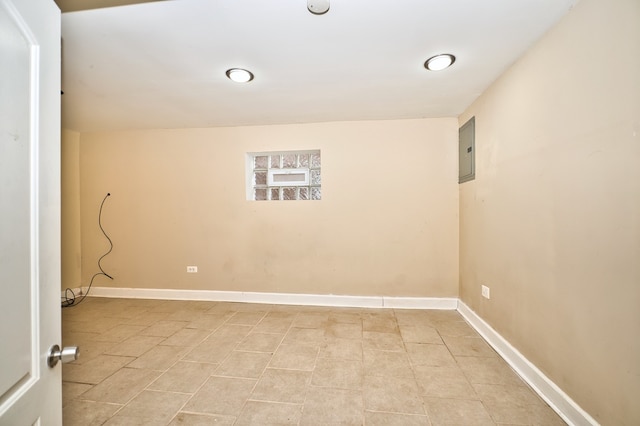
272	173
566	408
77	291
279	298
446	303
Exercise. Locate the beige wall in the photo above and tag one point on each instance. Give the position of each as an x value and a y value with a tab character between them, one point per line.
387	223
70	192
552	222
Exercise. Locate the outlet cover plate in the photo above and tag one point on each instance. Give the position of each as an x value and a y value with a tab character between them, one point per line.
192	269
486	293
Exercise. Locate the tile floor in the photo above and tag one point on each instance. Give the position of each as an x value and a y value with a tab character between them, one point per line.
154	362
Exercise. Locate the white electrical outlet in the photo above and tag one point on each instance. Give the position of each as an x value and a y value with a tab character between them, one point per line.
192	269
486	293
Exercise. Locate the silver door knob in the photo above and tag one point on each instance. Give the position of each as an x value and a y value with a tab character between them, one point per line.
67	354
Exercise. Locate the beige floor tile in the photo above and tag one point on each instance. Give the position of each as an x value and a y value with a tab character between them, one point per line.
343	330
279	385
304	335
122	311
261	342
310	309
189	419
382	341
326	406
71	390
274	325
208	322
543	415
342	349
154	406
346	316
457	412
164	328
469	346
516	404
492	371
379	314
224	308
420	334
210	351
269	413
231	333
120	420
338	373
95	370
121	386
380	323
200	305
246	318
455	328
186	314
385	363
159	357
300	364
444	382
145	304
239	307
443	315
78	337
146	318
90	326
221	395
88	413
186	337
311	320
375	418
244	364
134	346
414	317
184	377
518	396
282	312
82	312
424	354
171	306
392	394
89	350
120	333
295	357
526	415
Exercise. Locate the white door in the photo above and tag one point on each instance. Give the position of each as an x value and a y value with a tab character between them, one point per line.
30	391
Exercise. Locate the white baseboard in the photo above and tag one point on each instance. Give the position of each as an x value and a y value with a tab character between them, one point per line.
450	303
570	412
78	291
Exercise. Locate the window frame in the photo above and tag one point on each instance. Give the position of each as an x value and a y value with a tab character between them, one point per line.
271	172
277	168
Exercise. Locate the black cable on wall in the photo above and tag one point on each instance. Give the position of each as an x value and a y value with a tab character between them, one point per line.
70	299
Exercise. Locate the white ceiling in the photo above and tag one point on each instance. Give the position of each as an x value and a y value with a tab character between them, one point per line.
162	64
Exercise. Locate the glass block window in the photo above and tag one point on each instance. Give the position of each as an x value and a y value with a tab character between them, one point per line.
286	175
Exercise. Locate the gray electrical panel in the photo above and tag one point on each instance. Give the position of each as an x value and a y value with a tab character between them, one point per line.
466	151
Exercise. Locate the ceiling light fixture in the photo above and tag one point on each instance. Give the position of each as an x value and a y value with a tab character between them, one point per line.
439	62
239	75
318	7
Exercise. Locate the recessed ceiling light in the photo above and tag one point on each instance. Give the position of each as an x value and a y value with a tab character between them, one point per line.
318	7
239	75
439	62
